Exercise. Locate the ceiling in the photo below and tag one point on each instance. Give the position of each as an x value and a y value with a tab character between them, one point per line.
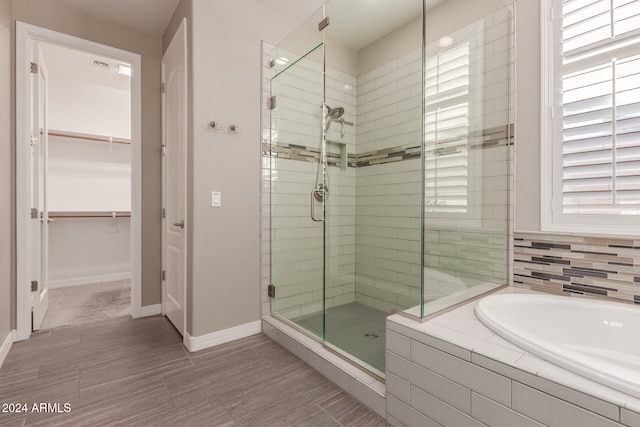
357	23
65	63
148	16
153	16
356	16
354	23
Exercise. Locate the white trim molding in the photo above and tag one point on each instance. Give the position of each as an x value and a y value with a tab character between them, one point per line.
150	310
25	35
221	337
555	65
64	283
6	346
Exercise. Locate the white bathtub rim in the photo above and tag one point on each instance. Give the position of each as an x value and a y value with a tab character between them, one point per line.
567	359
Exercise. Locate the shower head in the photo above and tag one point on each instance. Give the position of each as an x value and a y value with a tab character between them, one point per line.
335	113
332	114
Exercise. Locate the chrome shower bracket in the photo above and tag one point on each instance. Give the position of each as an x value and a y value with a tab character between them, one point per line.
317	194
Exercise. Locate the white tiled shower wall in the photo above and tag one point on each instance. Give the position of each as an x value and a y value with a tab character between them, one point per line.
293	244
375	239
470	247
389	195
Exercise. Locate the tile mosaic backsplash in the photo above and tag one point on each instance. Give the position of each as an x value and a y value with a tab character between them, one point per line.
599	267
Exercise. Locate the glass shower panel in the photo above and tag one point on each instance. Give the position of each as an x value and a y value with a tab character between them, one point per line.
372	227
468	139
297	250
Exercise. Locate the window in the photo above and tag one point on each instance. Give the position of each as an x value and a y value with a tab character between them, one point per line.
591	116
447	100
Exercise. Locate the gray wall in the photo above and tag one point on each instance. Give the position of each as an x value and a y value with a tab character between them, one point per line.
6	176
527	145
58	17
224	243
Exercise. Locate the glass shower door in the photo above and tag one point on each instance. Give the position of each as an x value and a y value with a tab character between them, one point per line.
296	174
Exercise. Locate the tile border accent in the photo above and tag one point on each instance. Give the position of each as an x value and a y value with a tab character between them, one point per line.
597	267
487	138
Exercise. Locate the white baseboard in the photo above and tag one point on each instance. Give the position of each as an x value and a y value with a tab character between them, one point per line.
88	280
6	346
150	310
220	337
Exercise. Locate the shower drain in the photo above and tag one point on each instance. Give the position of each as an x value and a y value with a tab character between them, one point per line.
371	335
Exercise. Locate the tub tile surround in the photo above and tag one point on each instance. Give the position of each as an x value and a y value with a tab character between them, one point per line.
453	371
598	267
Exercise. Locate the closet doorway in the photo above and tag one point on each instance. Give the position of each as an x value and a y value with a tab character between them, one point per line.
88	186
79	183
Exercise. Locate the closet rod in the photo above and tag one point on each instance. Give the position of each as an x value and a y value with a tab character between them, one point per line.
89	137
118	215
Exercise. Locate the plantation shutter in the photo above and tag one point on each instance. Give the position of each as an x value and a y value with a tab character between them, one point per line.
447	129
600	107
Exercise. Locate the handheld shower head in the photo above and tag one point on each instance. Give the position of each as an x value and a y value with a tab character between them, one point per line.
333	114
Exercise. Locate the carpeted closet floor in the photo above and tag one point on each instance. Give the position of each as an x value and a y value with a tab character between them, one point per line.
84	304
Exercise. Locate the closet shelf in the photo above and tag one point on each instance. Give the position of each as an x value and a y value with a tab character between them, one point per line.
92	214
88	137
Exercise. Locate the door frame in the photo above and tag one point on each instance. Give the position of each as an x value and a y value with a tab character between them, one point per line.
40	108
180	37
25	34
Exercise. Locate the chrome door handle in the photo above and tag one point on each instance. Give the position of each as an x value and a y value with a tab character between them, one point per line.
179	224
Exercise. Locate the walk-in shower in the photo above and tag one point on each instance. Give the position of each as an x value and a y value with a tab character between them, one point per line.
404	207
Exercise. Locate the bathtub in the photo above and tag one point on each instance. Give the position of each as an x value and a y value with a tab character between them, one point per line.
599	340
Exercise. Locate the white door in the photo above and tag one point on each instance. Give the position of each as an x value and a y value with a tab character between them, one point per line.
38	189
174	106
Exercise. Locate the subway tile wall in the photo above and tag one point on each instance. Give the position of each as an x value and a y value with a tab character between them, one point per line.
293	245
389	184
374	227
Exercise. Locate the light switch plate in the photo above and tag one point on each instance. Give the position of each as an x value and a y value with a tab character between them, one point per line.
216	199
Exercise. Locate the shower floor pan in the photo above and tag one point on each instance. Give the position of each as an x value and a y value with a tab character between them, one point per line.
355	329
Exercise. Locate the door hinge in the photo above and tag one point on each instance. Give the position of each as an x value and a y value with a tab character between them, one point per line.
272	102
163	275
164	212
163	149
162	87
34	68
34	213
271	291
34	286
323	24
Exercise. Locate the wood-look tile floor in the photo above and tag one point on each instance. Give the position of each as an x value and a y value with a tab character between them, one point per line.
136	372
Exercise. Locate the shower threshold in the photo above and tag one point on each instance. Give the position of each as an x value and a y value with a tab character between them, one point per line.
359	383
